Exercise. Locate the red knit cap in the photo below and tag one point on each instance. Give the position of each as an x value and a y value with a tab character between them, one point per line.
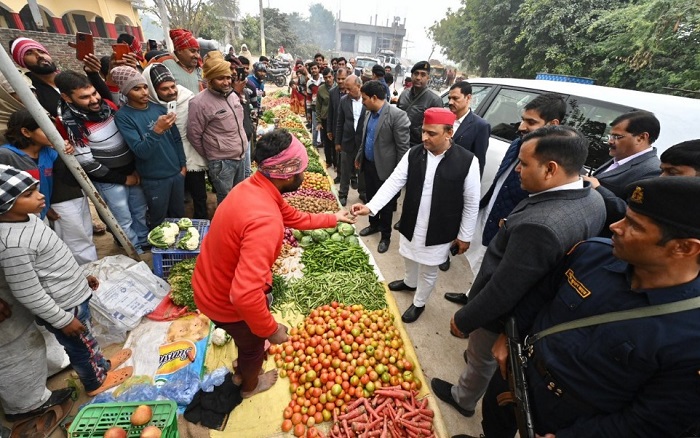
21	46
438	116
183	39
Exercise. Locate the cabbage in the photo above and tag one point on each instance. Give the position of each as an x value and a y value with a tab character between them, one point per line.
330	231
337	237
352	241
306	241
346	229
319	235
297	234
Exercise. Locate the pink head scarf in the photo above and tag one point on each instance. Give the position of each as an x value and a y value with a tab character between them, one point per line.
291	161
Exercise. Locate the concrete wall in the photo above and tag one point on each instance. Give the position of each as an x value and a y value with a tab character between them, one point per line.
57	45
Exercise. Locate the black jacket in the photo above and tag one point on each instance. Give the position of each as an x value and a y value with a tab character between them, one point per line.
346	135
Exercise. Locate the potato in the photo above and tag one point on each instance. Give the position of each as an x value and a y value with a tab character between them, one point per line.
150	432
115	432
142	415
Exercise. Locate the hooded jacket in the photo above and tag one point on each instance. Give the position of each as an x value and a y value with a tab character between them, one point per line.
195	162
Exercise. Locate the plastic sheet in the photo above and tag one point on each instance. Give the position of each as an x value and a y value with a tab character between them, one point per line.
216	378
181	387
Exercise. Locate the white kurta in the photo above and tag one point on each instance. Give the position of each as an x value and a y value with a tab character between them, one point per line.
416	249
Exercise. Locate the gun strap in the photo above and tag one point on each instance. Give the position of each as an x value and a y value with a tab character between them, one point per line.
642	312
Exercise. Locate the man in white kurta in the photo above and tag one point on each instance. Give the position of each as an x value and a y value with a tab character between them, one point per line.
421	254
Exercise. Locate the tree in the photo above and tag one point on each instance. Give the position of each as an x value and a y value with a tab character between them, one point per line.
201	17
322	25
278	31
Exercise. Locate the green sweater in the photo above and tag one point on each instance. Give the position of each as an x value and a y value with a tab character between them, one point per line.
182	77
323	100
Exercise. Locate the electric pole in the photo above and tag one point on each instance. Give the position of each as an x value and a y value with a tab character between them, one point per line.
262	30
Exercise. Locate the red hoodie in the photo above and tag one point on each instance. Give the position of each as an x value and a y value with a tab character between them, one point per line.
234	268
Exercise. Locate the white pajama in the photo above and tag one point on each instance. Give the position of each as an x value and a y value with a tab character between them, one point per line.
75	228
422	261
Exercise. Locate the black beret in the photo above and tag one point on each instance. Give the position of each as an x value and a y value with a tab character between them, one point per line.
422	65
669	200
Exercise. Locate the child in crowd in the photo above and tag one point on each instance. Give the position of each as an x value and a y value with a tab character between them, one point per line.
42	275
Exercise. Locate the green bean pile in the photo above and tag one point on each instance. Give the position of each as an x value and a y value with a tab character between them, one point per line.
331	256
312	291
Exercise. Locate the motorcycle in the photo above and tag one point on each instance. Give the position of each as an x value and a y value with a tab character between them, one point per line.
277	75
280	63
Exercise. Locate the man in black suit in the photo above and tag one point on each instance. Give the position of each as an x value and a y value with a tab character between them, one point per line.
634	159
470	131
348	132
335	94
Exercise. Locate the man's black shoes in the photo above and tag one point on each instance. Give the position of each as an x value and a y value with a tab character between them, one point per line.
383	246
443	391
412	314
368	231
399	285
446	265
457	298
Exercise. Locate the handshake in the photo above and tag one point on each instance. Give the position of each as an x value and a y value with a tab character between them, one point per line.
359	210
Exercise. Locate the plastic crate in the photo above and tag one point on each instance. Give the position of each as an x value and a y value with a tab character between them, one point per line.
94	420
164	259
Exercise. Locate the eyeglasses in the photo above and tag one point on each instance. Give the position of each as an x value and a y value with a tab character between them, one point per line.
616	137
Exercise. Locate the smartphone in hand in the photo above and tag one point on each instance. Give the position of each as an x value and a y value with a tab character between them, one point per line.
454	249
84	45
120	50
172	106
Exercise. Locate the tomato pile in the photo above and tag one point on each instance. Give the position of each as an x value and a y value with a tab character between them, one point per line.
338	354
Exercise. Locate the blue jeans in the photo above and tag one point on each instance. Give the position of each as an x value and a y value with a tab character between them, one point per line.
84	351
165	198
128	204
224	175
248	170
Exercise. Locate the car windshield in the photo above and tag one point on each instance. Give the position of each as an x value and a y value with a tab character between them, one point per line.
366	62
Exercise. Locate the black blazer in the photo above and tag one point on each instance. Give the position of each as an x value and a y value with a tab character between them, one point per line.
333	103
346	135
473	135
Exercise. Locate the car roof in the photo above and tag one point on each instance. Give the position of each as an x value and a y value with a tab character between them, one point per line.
679	116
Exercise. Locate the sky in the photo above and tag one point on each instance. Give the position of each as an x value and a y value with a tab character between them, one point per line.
419	16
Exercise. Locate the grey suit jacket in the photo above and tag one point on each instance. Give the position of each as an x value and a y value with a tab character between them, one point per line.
391	138
613	183
473	135
532	241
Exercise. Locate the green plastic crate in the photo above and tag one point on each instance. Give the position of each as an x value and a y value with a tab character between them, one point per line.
93	420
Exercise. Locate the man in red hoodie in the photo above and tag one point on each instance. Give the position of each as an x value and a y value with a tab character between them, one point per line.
233	276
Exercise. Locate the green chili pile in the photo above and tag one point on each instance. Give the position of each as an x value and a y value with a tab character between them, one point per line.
331	256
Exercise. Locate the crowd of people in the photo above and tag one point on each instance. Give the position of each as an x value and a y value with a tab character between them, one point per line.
547	243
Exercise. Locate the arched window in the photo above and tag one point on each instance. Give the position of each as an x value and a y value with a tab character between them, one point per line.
122	24
68	23
101	29
25	15
6	19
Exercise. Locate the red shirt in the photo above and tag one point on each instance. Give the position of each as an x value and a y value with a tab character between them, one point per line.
234	268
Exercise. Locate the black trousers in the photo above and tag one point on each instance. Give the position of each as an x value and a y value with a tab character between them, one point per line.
196	185
328	146
382	219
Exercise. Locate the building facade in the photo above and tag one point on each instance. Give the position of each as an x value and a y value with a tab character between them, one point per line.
368	39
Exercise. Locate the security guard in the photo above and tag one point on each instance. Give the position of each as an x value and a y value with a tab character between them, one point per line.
638	377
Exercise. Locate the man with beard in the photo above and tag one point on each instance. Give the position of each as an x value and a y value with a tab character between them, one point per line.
33	56
215	127
87	121
162	89
232	278
151	134
185	66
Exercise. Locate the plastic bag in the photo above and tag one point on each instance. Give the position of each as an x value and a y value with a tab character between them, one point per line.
216	378
139	392
181	387
132	381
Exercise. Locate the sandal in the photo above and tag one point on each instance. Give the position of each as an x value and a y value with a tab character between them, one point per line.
42	426
119	358
114	378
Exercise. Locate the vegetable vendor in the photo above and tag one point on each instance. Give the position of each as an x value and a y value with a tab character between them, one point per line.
442	201
232	277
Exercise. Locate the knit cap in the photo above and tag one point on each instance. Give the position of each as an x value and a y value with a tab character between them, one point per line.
126	78
13	183
215	66
183	39
21	46
159	74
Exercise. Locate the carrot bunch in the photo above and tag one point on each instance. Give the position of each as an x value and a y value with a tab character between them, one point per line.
391	412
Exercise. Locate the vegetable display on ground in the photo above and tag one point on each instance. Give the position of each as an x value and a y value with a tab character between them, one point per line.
331	256
339	354
180	280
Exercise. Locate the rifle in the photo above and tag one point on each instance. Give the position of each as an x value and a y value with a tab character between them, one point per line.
517	362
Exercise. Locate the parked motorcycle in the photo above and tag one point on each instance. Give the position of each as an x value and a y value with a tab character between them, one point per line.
280	63
277	75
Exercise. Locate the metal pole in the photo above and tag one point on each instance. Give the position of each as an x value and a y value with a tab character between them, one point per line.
262	30
165	23
13	76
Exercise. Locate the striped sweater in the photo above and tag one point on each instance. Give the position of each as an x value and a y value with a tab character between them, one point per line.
40	272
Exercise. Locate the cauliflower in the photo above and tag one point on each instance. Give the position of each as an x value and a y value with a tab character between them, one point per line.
219	337
190	240
184	223
163	235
